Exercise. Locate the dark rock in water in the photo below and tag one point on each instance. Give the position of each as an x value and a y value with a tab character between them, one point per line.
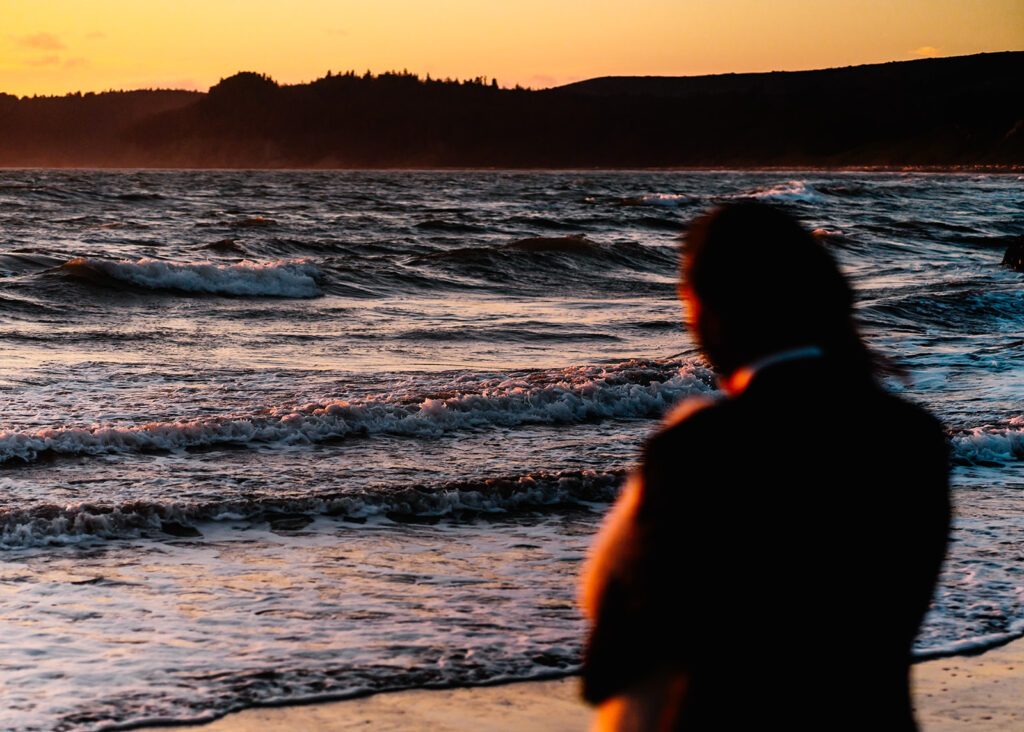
1014	257
175	529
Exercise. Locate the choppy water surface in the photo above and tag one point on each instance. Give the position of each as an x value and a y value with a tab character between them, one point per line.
273	436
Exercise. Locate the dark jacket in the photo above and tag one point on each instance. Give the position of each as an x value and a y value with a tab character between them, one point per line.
784	552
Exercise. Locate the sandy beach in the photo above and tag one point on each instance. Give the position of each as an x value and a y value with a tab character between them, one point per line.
983	692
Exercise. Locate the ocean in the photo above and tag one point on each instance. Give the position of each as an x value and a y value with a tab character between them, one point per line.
280	436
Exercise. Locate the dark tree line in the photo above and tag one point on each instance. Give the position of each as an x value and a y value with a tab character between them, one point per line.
79	129
957	111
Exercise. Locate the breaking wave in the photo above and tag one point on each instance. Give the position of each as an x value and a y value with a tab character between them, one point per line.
794	190
284	278
670	200
419	503
971	646
991	444
52	524
632	389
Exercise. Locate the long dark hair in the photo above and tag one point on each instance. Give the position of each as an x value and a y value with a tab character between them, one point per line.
770	286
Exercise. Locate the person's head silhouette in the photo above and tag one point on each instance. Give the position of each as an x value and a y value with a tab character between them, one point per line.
757	283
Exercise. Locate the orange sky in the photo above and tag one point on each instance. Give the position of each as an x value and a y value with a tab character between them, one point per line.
56	46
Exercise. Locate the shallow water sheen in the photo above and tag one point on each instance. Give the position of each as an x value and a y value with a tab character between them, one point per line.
270	436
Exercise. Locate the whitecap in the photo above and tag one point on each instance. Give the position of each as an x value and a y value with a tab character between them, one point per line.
672	200
991	443
283	278
794	190
633	389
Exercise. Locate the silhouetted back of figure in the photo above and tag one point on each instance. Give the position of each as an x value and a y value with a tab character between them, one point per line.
778	549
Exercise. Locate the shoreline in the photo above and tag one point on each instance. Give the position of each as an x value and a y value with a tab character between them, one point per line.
964	169
978	692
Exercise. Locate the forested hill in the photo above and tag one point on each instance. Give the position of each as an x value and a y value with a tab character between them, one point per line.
80	129
944	112
957	74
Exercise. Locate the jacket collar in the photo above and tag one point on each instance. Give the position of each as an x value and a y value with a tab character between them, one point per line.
736	383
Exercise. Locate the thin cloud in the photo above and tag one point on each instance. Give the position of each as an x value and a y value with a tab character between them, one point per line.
928	52
76	63
42	42
338	32
51	60
95	35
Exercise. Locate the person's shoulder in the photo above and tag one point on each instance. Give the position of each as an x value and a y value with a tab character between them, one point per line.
688	409
689	422
922	440
902	412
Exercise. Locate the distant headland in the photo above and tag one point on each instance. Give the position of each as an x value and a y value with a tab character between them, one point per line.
949	112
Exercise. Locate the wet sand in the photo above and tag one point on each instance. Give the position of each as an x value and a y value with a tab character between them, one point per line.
552	706
983	693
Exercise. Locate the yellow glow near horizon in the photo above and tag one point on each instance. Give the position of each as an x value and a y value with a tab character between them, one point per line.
76	45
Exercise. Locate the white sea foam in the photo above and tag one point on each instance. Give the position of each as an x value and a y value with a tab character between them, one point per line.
284	278
991	443
576	394
672	200
794	190
973	645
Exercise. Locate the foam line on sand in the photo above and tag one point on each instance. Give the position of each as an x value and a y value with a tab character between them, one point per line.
529	706
981	693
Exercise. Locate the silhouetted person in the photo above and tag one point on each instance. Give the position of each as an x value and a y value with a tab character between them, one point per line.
769	564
